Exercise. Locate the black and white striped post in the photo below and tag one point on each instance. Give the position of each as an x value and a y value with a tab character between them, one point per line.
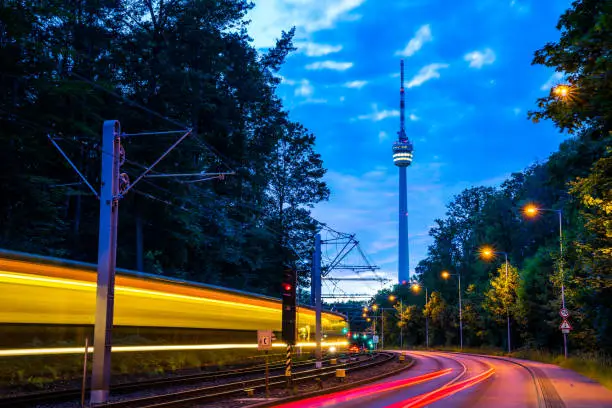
288	366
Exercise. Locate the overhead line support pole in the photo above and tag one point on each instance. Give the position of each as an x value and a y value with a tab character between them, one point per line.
107	257
316	278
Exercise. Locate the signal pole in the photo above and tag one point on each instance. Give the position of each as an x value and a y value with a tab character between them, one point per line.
289	318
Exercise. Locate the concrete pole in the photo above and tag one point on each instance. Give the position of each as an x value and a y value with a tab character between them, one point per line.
316	277
107	257
403	265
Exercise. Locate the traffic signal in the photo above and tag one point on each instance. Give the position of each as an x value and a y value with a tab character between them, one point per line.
288	291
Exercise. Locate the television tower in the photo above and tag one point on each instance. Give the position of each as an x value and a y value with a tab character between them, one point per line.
402	158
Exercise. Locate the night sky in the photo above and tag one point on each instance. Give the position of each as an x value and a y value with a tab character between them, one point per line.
469	85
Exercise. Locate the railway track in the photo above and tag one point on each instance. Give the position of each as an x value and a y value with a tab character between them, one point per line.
31	400
224	391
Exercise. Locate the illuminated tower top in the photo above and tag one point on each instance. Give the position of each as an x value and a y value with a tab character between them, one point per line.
402	148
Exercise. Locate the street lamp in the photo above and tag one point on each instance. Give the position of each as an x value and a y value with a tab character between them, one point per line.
392	298
415	288
488	253
446	275
564	92
531	210
561	91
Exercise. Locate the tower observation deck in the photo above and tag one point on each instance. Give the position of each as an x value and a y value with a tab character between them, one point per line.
402	158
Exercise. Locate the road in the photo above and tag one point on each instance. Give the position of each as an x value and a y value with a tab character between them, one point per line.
462	380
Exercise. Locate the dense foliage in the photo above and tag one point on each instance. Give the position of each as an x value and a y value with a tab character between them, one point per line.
154	65
576	181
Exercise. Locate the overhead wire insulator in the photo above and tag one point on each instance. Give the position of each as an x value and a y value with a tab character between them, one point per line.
121	155
124	182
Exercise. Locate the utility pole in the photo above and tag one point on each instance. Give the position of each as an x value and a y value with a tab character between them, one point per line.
426	322
107	257
114	185
316	289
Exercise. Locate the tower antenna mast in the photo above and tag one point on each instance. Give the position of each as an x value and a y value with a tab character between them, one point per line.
402	131
402	158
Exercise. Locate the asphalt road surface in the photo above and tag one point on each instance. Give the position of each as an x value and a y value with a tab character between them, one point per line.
465	380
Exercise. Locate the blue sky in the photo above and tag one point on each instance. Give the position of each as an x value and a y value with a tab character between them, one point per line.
469	85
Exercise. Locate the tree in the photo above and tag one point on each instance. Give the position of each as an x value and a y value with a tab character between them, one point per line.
295	185
501	298
583	54
593	274
153	65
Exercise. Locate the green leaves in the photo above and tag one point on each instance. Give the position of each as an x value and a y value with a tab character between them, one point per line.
155	66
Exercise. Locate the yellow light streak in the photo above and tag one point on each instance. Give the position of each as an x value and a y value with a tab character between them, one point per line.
67	282
38	293
123	349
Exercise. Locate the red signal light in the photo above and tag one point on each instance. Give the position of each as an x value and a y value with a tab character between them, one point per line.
286	287
403	282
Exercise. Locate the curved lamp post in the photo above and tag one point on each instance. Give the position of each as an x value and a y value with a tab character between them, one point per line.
488	253
446	275
416	288
532	211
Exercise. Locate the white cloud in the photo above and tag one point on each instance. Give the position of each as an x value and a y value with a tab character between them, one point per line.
479	58
516	111
269	17
382	136
334	65
317	50
422	36
356	84
426	73
552	81
305	89
285	81
377	115
413	117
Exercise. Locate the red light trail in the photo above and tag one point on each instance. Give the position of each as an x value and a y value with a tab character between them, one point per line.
442	392
343	396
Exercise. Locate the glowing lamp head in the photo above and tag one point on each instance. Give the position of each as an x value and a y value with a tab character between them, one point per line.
332	349
392	298
374	307
416	287
561	91
445	274
487	252
531	210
